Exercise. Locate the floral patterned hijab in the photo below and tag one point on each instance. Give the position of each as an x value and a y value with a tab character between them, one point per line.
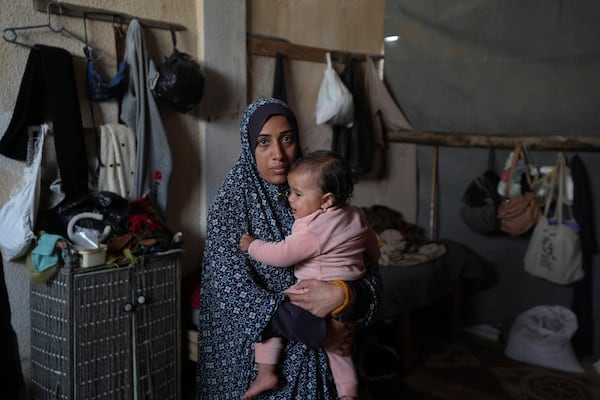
246	202
267	218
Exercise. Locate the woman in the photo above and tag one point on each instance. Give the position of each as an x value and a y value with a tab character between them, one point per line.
239	295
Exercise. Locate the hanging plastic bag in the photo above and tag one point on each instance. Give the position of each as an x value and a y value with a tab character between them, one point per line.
180	82
18	215
479	205
335	104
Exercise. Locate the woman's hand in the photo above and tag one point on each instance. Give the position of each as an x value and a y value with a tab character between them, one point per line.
317	297
339	337
245	241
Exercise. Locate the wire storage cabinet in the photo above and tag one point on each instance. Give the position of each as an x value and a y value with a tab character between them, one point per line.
108	332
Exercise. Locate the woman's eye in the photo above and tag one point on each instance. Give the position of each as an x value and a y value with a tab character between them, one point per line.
287	139
262	142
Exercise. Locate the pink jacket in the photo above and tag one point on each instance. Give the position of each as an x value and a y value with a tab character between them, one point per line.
325	245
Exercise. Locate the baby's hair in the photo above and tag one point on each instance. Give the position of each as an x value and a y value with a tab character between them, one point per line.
333	174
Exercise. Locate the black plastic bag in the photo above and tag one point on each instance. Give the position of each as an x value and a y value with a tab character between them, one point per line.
480	201
181	80
113	207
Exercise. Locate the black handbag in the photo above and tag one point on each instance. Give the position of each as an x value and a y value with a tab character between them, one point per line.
479	205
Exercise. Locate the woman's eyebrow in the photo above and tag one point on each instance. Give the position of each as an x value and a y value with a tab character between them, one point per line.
281	133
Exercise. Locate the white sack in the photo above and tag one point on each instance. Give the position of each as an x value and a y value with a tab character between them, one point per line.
335	104
542	336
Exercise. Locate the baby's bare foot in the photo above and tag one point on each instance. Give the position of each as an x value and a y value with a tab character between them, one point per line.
262	383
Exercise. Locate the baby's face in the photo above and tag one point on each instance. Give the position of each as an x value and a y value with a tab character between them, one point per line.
305	195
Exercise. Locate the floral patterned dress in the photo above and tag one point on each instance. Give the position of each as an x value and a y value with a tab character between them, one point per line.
239	295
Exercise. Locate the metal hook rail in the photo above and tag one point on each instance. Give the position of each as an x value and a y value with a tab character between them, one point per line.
99	14
11	34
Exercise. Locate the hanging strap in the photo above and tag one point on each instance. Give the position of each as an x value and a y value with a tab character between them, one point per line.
119	37
560	173
174	38
279	89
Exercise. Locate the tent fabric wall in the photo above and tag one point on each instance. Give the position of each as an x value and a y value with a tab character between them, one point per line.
496	67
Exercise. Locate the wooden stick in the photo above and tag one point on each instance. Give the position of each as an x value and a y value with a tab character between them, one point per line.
433	200
269	47
531	142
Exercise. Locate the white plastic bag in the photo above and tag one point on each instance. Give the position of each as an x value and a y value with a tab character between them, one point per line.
542	336
335	104
18	215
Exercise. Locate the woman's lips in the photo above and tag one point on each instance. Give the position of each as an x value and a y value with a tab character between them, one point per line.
280	169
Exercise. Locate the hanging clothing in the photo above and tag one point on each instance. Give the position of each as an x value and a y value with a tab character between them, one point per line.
397	162
140	112
385	116
279	87
583	293
355	143
117	153
48	86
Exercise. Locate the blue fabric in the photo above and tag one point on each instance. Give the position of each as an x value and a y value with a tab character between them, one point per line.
44	255
239	295
98	89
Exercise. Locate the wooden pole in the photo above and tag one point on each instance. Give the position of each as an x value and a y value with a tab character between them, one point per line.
433	198
531	142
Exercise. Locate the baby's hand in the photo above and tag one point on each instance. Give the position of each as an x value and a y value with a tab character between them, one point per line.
245	241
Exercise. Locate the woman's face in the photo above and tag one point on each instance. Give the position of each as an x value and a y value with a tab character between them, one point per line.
276	149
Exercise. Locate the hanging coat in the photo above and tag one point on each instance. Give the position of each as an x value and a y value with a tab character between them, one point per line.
385	116
582	303
140	112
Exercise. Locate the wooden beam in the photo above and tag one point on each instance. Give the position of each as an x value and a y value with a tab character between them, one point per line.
532	142
269	47
100	14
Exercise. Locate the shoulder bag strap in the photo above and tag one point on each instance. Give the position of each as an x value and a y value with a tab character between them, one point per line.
513	164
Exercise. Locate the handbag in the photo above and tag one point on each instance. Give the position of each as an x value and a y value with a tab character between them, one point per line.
520	212
479	204
554	250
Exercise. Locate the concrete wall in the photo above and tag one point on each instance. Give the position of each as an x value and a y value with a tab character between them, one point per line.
185	132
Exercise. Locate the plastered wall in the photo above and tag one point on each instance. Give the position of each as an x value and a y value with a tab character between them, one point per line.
184	131
205	142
